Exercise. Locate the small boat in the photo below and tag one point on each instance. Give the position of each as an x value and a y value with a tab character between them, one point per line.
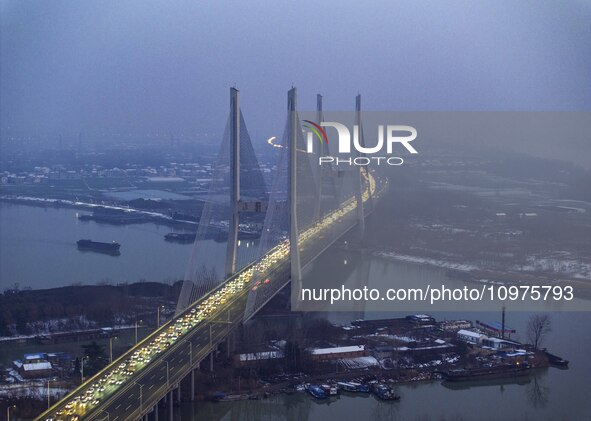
347	387
363	388
317	391
353	387
330	389
385	393
556	361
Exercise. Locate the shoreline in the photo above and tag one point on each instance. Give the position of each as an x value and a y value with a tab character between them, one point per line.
149	216
421	377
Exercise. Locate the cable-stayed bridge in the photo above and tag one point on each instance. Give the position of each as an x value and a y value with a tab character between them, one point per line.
307	209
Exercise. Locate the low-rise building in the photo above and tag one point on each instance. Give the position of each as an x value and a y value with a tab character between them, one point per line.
33	366
335	353
470	336
495	328
242	360
498	343
384	351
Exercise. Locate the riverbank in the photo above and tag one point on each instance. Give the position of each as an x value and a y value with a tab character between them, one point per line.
402	377
45	254
134	215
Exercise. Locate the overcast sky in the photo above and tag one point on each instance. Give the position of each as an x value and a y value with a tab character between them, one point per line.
141	66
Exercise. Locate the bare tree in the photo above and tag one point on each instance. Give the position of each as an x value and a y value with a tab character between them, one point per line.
538	326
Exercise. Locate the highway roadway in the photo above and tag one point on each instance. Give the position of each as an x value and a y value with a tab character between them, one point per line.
175	364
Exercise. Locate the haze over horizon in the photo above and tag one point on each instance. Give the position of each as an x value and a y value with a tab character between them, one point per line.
150	66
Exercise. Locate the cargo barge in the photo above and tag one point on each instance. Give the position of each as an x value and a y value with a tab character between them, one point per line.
89	245
500	371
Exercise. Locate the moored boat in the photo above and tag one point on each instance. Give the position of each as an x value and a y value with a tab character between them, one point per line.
347	387
317	391
359	387
353	387
499	371
330	389
385	393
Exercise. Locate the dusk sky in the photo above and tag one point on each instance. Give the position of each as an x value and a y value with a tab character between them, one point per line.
142	66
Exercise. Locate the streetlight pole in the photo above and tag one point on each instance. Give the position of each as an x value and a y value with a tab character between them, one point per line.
108	416
190	353
136	324
8	411
82	368
48	401
159	308
111	348
167	378
141	397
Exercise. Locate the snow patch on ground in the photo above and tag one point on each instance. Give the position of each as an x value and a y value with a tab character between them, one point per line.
562	266
425	260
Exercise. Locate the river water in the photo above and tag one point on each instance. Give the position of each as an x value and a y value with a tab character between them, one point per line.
37	249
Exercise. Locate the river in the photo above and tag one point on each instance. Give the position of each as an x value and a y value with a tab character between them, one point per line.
38	250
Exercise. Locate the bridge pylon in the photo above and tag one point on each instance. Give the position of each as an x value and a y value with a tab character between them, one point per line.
360	185
235	181
235	171
294	245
